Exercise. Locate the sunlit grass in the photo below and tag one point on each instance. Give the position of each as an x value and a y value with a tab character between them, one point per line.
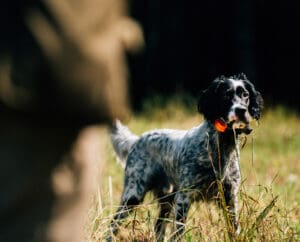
269	195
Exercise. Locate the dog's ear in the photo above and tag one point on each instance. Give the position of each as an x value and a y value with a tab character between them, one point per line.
256	100
208	103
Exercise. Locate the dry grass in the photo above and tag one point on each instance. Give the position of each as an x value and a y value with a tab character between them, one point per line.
269	195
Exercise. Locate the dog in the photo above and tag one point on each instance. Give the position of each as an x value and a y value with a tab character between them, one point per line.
184	166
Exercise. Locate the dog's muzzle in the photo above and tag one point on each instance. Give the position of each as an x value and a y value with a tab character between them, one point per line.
239	114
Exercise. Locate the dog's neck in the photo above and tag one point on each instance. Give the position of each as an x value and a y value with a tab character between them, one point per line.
222	146
229	140
225	138
228	128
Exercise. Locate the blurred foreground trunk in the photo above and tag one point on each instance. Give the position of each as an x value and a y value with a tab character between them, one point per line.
63	79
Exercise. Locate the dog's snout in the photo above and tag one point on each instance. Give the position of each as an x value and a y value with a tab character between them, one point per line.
240	111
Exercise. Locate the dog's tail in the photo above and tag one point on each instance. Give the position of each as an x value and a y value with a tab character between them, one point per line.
122	140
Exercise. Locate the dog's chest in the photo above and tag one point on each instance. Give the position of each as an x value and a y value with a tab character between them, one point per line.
204	161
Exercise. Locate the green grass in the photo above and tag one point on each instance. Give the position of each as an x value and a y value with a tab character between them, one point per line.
269	194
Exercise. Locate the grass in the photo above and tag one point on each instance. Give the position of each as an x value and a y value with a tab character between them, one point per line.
269	195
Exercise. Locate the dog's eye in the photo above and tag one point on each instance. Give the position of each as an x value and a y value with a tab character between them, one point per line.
245	94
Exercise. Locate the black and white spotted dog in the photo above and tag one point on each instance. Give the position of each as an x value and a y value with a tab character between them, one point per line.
182	166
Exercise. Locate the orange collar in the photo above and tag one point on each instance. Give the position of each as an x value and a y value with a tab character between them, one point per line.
220	125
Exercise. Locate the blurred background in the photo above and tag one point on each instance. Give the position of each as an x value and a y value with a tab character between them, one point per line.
189	43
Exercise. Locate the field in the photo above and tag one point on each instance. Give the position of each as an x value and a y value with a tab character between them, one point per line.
269	195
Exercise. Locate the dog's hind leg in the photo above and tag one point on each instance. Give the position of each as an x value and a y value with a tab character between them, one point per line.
123	211
182	205
166	202
130	199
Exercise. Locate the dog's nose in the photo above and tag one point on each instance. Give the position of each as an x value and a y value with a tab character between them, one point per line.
240	112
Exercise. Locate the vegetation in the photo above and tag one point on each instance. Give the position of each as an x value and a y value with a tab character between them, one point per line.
269	195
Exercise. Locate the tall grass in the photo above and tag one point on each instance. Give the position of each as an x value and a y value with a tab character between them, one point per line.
269	195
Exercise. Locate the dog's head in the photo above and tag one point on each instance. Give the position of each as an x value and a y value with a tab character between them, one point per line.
233	100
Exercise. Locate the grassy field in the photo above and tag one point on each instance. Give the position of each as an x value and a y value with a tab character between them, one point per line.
269	195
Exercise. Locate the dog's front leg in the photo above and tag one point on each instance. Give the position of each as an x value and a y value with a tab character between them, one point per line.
182	205
230	192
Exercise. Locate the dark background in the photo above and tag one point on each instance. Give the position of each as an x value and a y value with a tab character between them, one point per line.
189	43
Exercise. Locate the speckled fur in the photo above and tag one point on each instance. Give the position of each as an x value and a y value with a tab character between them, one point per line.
182	166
